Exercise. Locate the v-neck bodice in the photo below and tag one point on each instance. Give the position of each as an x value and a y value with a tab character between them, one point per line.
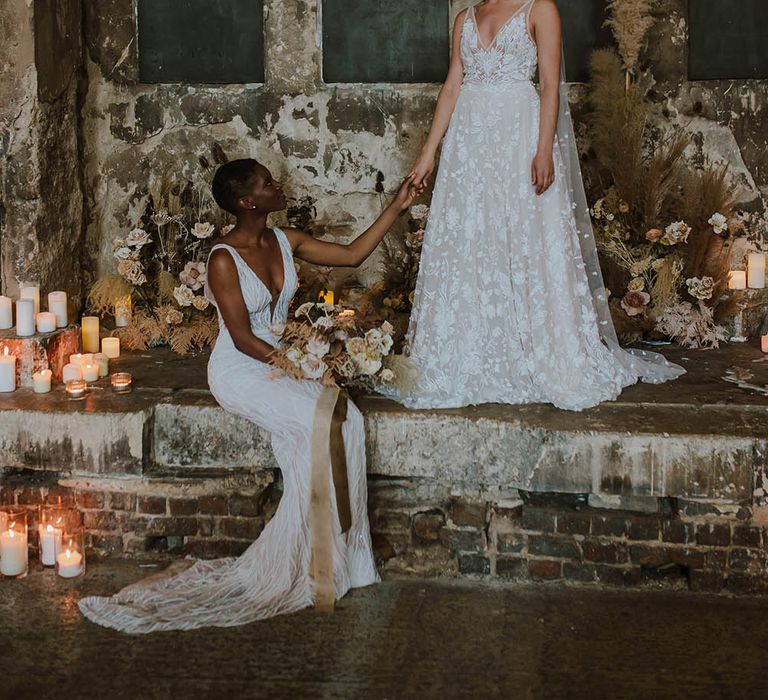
510	58
258	298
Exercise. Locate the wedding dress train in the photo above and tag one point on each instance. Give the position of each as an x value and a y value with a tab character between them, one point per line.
272	576
509	304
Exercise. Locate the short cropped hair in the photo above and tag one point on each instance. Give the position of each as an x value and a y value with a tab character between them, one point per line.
229	182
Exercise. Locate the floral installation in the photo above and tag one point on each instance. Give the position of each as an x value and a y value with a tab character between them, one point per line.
160	265
334	346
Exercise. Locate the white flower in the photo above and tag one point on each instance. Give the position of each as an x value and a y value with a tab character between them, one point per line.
296	356
323	322
304	309
203	230
387	328
277	328
367	363
184	295
340	334
675	233
718	222
174	317
317	346
419	212
313	367
355	346
387	375
378	341
161	218
193	275
201	303
226	229
137	238
122	253
702	288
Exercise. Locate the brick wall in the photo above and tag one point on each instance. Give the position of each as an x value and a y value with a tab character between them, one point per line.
417	529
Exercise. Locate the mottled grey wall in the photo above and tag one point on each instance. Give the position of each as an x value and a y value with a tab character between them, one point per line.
41	212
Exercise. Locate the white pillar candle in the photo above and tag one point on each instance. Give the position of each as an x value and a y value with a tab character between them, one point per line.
81	358
31	292
90	331
50	540
69	563
13	552
7	371
111	347
90	372
71	372
756	270
25	317
737	279
123	312
46	322
102	361
57	304
764	343
6	312
41	381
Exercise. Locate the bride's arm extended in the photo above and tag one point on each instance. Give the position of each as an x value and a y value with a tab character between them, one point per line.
545	25
446	102
224	282
352	254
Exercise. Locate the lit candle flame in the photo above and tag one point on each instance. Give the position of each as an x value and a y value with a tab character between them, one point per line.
68	554
5	351
49	528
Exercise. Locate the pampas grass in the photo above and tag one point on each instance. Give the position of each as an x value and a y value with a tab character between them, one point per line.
629	20
106	291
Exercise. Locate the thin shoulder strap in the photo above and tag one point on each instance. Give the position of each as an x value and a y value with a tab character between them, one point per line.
531	3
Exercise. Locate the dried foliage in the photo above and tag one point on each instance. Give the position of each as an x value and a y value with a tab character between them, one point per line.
629	20
105	291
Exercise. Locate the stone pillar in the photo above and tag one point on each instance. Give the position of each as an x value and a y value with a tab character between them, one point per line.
41	202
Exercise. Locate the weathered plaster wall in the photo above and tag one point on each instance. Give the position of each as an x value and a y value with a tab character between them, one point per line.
331	141
40	174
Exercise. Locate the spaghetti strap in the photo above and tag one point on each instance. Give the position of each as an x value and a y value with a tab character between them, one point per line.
531	3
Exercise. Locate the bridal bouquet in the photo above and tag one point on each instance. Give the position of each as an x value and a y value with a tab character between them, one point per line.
331	345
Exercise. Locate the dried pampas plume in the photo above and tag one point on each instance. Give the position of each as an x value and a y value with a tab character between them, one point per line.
629	20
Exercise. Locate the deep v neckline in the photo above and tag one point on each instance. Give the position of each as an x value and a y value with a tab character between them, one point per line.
274	300
500	29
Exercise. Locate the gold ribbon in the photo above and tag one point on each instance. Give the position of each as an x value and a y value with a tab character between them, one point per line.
328	457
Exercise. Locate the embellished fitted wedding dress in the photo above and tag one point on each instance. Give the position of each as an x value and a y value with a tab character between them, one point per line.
273	575
510	305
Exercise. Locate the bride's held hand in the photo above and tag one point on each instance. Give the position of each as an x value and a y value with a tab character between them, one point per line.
542	172
422	170
405	195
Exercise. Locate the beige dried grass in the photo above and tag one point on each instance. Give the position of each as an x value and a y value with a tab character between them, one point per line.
629	20
106	291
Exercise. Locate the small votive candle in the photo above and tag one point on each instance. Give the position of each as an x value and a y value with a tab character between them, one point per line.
121	382
72	372
31	292
46	322
25	317
76	388
111	347
102	361
41	381
737	279
57	304
90	330
6	312
123	312
7	371
764	343
81	359
90	372
70	557
49	531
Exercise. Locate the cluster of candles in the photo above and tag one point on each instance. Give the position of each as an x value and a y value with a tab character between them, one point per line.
752	278
29	318
60	537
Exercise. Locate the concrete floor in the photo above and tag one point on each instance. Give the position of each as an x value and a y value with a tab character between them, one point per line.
400	639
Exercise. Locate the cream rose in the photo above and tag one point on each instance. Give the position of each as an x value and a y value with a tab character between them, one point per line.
702	288
137	238
317	346
184	295
203	230
313	367
174	317
675	233
193	275
201	303
718	223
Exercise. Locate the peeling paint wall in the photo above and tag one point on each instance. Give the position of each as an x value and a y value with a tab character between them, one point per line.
41	212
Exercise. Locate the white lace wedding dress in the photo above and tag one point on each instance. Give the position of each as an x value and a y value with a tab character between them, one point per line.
272	576
505	309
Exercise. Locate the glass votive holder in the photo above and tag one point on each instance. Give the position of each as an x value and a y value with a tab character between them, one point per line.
14	551
70	556
122	382
76	388
53	519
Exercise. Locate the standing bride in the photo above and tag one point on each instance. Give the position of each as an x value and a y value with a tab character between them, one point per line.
510	305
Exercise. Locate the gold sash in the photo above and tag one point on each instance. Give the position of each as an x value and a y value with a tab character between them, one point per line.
328	457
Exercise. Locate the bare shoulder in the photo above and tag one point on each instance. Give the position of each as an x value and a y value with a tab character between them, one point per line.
544	10
459	21
221	262
295	236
